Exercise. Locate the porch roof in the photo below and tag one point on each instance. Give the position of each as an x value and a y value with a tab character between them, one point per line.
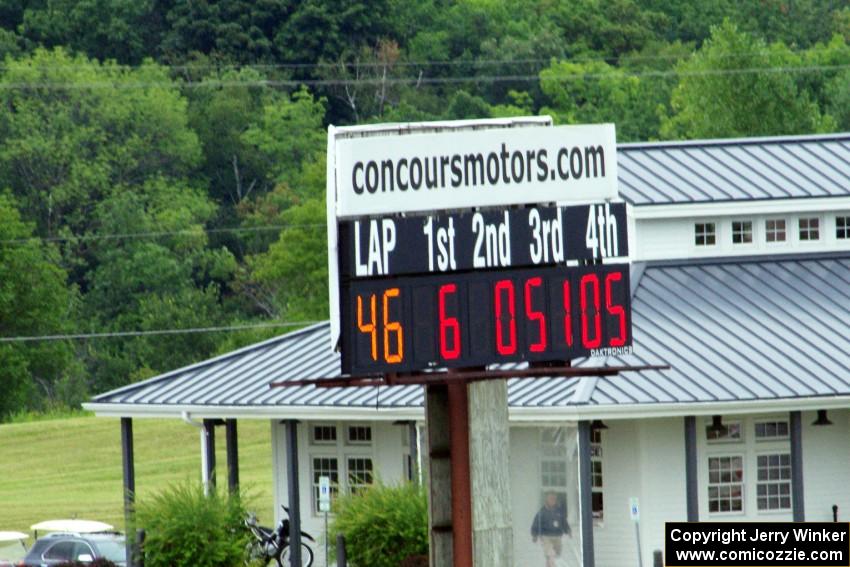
739	333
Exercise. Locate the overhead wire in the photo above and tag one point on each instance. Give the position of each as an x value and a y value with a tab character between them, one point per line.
155	332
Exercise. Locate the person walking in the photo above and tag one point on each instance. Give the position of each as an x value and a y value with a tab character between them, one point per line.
549	526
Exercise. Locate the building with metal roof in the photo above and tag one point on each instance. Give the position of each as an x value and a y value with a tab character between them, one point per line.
740	282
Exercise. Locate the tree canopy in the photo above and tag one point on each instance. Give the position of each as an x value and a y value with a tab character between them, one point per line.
162	163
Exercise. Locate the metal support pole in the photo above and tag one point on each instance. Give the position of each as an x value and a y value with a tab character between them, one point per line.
461	492
341	559
232	455
585	494
209	452
127	461
797	499
294	492
691	481
413	434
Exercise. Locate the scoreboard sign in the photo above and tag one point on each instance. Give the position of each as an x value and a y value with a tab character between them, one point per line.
468	262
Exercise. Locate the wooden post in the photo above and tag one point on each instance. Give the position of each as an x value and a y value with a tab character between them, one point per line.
461	490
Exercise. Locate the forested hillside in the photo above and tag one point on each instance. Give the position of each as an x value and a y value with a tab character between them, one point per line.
162	161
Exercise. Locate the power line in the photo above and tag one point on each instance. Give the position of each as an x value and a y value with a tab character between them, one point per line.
160	234
157	332
616	75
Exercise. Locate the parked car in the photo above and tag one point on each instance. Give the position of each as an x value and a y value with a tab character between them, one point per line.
57	548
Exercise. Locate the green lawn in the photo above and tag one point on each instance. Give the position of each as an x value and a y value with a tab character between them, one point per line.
71	468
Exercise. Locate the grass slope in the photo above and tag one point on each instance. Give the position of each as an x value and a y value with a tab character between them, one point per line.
71	468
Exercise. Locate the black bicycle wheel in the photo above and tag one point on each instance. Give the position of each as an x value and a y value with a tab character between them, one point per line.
306	556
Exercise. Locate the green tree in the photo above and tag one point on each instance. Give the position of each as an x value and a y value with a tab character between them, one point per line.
34	300
594	92
735	85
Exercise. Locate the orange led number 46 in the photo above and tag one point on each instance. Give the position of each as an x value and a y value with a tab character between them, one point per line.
390	327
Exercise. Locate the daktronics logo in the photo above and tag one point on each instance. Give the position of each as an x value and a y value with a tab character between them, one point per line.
477	169
470	168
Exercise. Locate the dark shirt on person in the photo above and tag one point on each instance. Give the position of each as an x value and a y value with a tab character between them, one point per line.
550	522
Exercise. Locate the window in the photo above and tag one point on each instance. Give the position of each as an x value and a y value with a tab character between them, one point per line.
770	430
329	467
596	472
62	551
842	228
359	473
323	435
774	230
773	490
732	433
359	435
705	234
810	229
742	232
725	484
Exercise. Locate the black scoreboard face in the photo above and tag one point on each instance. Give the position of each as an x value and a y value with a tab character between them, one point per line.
476	288
472	319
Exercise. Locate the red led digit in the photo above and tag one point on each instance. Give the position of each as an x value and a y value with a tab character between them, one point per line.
568	314
536	316
448	324
615	310
587	342
505	287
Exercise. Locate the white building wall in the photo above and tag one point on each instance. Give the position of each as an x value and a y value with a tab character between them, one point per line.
387	450
673	238
826	466
614	541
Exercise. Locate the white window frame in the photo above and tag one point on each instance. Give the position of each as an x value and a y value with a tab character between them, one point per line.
742	232
784	230
742	483
821	228
357	442
728	440
323	443
765	420
697	234
846	217
314	483
770	453
348	483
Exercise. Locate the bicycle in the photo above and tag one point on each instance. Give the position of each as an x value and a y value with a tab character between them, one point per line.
270	548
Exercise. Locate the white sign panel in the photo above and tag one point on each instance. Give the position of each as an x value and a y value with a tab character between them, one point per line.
324	494
474	168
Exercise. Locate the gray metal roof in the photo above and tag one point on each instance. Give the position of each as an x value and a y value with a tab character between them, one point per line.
753	329
745	169
738	331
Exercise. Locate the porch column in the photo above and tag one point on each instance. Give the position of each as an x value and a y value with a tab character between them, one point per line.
232	455
209	453
797	501
413	441
585	494
294	491
691	480
128	464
